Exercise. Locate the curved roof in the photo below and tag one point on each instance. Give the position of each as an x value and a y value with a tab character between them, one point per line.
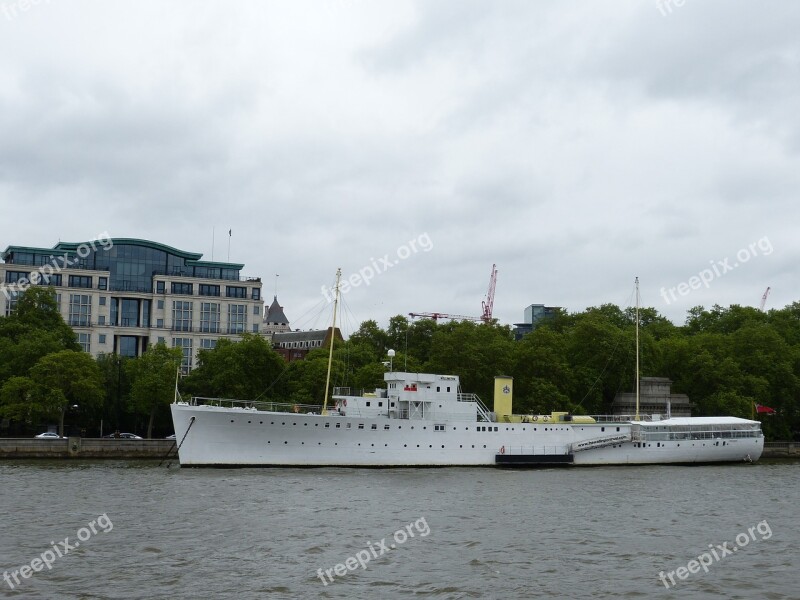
131	242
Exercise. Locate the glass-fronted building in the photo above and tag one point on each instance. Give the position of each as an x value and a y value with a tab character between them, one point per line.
120	294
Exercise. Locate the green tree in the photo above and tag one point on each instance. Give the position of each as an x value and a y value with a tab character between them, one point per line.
65	379
246	370
154	376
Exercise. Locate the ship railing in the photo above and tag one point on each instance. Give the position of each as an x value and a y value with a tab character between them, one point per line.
535	450
620	418
257	405
483	412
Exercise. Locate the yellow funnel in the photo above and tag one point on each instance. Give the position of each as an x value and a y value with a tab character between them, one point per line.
503	395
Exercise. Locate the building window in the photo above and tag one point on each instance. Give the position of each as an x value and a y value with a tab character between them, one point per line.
15	276
161	340
85	340
54	279
255	328
233	291
130	313
80	281
208	344
102	283
128	345
101	320
80	310
102	300
160	323
160	305
146	308
160	287
12	297
102	338
181	316
182	288
237	318
256	294
209	290
256	310
186	345
209	317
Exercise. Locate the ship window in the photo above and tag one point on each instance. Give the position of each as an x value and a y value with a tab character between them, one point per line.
361	426
386	427
327	424
374	426
617	428
367	402
338	425
438	427
380	404
602	429
495	428
348	425
448	388
392	404
438	389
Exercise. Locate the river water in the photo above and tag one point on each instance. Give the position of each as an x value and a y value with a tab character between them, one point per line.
600	532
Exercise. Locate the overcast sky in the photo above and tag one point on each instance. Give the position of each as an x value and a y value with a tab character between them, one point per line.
575	144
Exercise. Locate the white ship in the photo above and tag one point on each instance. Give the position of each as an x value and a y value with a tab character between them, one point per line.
425	420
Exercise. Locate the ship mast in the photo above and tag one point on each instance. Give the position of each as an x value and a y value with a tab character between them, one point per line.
333	336
637	348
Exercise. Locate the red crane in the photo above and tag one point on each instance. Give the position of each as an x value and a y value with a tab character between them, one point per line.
487	306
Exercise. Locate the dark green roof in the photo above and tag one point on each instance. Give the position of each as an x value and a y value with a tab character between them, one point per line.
133	242
192	258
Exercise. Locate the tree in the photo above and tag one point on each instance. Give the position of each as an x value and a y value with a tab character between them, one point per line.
33	330
65	379
247	370
154	375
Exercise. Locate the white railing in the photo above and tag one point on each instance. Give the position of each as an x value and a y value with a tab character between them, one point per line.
535	450
256	405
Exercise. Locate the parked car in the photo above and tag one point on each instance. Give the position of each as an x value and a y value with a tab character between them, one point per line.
48	435
124	436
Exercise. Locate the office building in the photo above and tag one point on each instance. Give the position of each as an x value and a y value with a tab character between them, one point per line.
121	295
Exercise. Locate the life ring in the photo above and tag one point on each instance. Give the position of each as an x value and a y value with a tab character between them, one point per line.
535	417
344	402
502	449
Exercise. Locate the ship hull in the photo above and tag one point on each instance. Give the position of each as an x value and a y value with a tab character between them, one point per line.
212	436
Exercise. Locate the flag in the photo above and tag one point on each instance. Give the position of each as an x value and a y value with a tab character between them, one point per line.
764	410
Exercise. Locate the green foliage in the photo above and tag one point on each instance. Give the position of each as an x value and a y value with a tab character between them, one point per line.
34	330
245	370
65	379
154	375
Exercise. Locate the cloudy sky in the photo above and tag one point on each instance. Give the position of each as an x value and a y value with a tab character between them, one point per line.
577	145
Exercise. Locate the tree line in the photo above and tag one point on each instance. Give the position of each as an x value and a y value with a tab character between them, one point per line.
725	359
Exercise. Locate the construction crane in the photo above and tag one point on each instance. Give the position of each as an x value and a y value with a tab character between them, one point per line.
487	306
764	300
